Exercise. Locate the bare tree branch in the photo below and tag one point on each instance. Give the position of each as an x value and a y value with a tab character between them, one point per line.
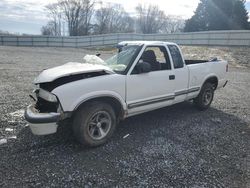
113	19
150	18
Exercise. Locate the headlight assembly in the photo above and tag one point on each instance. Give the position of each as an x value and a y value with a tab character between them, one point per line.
47	95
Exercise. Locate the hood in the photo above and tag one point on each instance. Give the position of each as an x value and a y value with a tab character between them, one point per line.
69	69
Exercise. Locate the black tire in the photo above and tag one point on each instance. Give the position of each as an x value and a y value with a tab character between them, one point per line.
205	97
87	128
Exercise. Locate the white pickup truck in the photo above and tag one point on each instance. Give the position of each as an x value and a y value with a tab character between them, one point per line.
142	76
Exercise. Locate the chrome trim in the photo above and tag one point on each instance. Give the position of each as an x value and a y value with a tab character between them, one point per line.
184	92
151	101
193	89
162	99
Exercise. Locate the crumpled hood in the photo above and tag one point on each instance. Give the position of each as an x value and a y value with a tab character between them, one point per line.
68	69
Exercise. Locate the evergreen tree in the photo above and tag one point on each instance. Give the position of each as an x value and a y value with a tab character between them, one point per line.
219	15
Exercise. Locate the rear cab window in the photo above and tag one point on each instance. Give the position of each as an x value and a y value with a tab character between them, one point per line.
176	56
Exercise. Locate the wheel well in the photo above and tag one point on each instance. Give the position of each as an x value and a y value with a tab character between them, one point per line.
115	103
213	80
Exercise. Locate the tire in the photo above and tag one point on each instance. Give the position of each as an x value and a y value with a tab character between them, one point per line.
94	123
205	97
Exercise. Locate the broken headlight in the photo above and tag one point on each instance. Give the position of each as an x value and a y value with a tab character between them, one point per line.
47	95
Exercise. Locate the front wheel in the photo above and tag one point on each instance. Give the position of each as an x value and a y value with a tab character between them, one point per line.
205	97
94	123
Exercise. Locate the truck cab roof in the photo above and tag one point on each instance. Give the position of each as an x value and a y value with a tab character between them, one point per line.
145	43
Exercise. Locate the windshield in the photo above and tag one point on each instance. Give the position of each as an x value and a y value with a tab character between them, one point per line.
123	58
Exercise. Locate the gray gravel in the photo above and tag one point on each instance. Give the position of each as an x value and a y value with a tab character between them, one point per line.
177	146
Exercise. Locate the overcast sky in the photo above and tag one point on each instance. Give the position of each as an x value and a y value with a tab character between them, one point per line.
28	16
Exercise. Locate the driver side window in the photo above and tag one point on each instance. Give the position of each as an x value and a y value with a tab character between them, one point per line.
157	57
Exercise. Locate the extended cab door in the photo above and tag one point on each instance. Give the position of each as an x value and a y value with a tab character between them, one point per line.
181	73
152	90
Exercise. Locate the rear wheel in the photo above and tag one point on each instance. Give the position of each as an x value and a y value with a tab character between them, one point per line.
205	97
94	123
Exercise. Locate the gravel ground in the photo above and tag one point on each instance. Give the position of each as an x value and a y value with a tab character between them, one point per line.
177	146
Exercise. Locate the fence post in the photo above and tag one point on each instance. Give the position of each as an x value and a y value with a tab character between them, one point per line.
248	40
192	38
32	41
208	38
228	39
2	40
17	41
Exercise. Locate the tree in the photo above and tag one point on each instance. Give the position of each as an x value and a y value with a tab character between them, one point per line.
150	18
219	15
113	19
102	17
86	15
173	24
49	29
78	14
54	26
5	32
240	16
83	19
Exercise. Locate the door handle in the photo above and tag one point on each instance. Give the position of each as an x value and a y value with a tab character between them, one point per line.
171	77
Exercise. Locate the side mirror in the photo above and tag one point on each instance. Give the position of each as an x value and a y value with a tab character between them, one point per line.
143	67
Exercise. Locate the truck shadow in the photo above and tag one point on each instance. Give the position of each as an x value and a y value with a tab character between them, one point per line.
175	140
174	122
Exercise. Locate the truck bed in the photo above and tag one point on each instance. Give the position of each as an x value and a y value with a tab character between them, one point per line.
200	70
190	62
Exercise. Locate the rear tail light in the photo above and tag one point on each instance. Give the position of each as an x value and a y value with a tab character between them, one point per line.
227	68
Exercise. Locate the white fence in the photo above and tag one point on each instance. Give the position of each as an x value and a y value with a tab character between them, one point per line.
212	38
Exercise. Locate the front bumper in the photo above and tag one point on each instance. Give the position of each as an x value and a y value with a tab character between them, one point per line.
41	123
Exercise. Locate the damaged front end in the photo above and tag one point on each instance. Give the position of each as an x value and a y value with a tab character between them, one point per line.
43	116
45	113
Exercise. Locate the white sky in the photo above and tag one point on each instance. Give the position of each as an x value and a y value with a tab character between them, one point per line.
27	16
